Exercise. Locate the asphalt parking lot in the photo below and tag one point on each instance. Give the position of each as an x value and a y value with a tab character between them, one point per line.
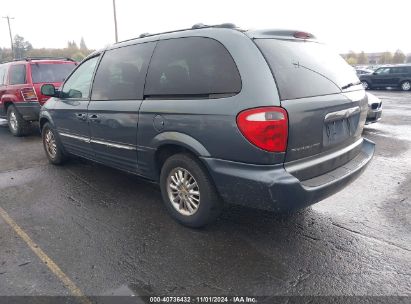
109	233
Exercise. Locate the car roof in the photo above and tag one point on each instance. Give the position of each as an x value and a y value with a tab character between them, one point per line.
267	33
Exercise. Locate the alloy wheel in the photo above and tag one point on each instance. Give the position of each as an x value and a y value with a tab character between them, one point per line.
406	86
13	121
50	143
183	191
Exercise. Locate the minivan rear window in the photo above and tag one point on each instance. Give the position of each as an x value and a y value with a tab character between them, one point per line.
306	68
50	72
192	66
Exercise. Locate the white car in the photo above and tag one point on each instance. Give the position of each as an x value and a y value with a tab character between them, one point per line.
374	108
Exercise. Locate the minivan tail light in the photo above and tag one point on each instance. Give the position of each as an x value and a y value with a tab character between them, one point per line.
265	127
29	94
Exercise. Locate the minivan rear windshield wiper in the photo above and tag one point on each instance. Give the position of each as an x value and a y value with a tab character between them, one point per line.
350	85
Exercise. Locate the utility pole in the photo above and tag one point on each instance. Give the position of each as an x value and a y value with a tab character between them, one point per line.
115	19
11	37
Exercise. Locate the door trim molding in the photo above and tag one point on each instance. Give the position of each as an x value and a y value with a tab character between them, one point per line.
99	142
112	145
81	138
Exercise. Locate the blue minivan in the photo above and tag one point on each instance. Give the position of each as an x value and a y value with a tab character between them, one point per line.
270	119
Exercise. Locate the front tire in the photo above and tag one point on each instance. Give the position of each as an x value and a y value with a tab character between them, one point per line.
17	125
406	85
365	85
188	192
52	146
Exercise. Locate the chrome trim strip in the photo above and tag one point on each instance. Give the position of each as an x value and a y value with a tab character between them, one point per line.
99	142
81	138
341	114
108	144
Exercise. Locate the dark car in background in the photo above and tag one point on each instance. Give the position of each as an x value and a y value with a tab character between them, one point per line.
395	76
213	114
20	83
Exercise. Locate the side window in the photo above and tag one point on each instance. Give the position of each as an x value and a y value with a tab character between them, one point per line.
397	70
192	66
3	70
79	83
383	71
17	74
122	72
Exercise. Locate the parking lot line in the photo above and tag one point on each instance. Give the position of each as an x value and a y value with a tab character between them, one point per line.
75	291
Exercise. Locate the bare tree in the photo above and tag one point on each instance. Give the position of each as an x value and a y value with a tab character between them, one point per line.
398	57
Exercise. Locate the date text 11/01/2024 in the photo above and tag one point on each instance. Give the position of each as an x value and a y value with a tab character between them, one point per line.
206	299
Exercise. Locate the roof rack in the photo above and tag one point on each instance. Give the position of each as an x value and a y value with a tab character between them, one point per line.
38	58
222	25
46	58
195	26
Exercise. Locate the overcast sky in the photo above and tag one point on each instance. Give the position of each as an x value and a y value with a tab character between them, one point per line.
344	24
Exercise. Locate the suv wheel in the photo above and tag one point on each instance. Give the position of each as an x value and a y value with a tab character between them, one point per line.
17	125
52	146
188	193
365	84
406	86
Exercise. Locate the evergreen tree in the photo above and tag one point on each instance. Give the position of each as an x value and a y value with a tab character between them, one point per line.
83	46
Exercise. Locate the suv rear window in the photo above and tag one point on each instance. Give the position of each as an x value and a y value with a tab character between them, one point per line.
17	74
50	72
306	68
3	70
193	66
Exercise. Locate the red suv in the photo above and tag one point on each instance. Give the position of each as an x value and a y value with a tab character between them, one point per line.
20	83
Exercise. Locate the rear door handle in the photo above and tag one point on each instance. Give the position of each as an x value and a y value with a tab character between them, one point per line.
94	118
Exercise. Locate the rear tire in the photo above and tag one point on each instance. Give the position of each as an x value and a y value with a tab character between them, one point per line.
52	145
406	85
17	125
188	192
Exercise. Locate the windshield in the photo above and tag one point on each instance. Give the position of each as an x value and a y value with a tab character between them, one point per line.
305	68
50	72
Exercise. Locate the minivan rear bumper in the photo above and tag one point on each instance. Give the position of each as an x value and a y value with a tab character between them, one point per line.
274	188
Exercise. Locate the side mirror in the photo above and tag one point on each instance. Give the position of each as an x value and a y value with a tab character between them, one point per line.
74	94
375	73
48	90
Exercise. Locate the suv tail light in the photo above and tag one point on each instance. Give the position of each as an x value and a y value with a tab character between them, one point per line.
265	127
29	94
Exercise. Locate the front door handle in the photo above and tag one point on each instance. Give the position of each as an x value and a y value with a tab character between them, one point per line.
94	118
81	116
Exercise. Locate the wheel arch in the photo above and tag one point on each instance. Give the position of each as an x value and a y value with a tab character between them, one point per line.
45	117
7	100
6	104
169	143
